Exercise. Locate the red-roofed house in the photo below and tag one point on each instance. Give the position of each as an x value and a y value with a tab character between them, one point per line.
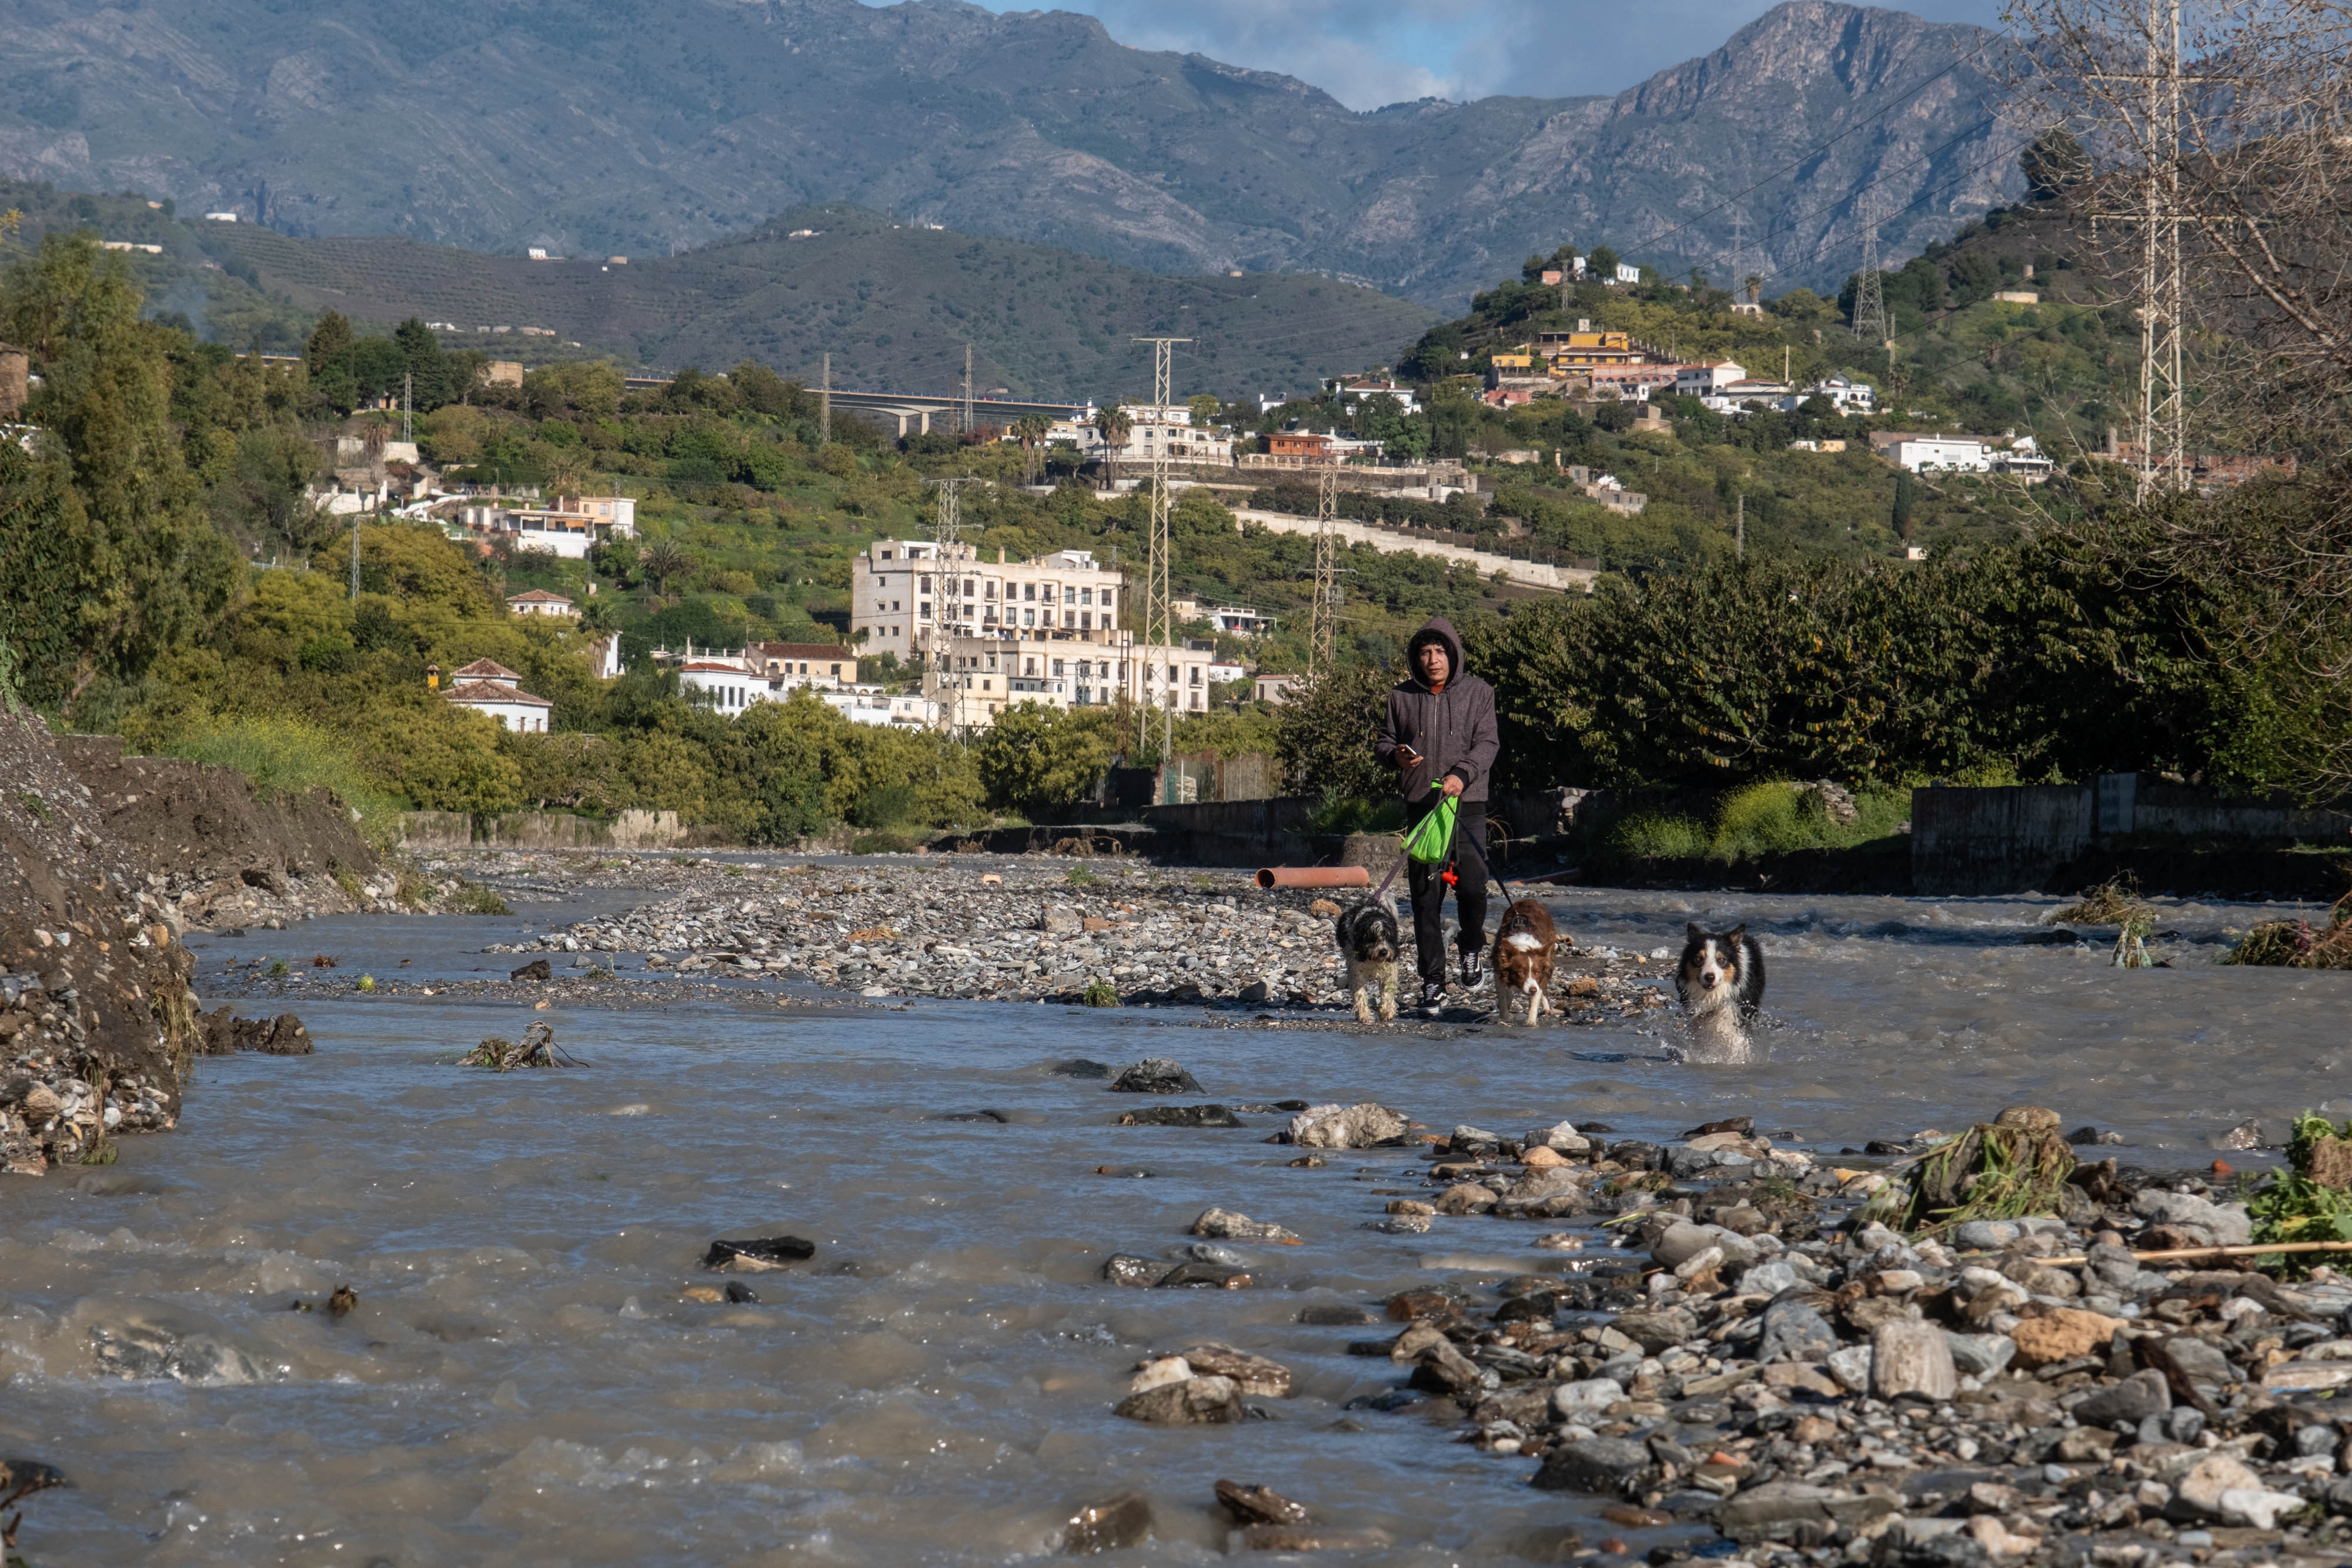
503	700
538	601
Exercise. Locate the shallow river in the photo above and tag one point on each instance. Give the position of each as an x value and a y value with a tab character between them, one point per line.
523	1383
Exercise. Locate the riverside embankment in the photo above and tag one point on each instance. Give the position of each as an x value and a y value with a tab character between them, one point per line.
531	1372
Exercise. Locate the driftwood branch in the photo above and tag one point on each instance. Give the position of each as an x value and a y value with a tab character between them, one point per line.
2256	1249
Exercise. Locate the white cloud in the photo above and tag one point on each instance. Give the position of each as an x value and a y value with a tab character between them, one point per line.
1393	50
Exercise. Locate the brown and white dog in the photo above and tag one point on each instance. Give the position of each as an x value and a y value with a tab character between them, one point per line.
1721	983
1523	947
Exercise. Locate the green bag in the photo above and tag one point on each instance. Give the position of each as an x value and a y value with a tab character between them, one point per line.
1432	838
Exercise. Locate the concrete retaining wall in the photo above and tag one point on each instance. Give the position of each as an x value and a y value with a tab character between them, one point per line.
2024	838
1392	541
1242	832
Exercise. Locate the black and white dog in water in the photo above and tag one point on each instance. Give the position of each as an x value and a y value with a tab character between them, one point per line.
1368	946
1721	983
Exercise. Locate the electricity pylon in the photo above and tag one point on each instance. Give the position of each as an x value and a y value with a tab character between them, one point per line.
1159	628
1323	624
1869	289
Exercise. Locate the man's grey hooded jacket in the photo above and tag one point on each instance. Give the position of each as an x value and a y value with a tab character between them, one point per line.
1454	729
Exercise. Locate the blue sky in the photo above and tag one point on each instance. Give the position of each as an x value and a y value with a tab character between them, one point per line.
1367	53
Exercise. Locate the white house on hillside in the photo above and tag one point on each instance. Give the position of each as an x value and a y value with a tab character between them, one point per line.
491	688
540	601
1707	379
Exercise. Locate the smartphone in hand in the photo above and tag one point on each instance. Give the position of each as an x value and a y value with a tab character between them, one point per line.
1411	757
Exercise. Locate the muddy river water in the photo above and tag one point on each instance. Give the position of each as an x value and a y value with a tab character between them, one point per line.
521	1382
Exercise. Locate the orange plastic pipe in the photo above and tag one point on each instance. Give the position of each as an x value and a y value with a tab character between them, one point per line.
1315	876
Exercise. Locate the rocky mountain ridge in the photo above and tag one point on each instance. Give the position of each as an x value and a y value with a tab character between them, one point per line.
627	125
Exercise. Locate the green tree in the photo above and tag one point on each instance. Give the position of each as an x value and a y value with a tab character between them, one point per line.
327	358
1325	737
148	567
1040	759
420	351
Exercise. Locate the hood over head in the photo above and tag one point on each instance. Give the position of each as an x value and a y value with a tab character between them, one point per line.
1439	629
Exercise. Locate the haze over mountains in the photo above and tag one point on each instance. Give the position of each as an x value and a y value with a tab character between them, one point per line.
634	126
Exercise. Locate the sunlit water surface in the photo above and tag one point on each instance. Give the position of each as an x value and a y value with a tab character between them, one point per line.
523	1383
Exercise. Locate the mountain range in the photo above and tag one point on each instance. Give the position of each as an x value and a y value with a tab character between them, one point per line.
894	304
640	126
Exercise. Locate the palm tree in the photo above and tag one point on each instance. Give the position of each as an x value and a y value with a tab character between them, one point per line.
1030	430
662	559
1113	424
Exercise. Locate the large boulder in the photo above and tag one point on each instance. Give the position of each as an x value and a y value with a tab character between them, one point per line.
2213	1224
1344	1126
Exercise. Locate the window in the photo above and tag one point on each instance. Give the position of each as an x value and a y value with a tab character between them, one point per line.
1029	667
984	683
1058	667
926	584
923	609
836	672
1049	618
1070	595
1109	599
992	588
1196	674
967	588
1196	700
1086	619
1087	596
885	555
1029	591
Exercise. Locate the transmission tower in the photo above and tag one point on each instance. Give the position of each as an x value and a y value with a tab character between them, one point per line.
824	406
946	682
1869	289
2163	389
967	390
1159	627
1323	625
2163	411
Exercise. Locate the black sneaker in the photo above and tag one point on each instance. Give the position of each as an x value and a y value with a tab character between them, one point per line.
1433	998
1473	969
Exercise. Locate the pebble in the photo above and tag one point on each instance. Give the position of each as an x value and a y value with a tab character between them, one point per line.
1023	933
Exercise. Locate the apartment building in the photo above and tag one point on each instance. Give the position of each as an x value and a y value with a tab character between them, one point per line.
1153	429
904	590
980	676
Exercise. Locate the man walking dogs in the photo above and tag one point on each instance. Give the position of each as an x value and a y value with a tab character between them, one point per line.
1438	732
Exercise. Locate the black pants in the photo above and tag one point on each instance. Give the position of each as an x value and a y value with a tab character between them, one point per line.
1469	893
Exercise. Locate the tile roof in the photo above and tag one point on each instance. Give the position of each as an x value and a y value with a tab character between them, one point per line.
491	692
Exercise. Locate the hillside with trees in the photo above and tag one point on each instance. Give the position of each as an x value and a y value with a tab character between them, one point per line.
894	304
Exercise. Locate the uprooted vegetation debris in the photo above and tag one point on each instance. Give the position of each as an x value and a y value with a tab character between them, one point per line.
2018	1164
538	1050
2297	944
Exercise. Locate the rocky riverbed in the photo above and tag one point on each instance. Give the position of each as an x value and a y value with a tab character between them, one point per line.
1743	1348
1033	930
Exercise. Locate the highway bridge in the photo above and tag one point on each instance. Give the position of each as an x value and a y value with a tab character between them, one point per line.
908	413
